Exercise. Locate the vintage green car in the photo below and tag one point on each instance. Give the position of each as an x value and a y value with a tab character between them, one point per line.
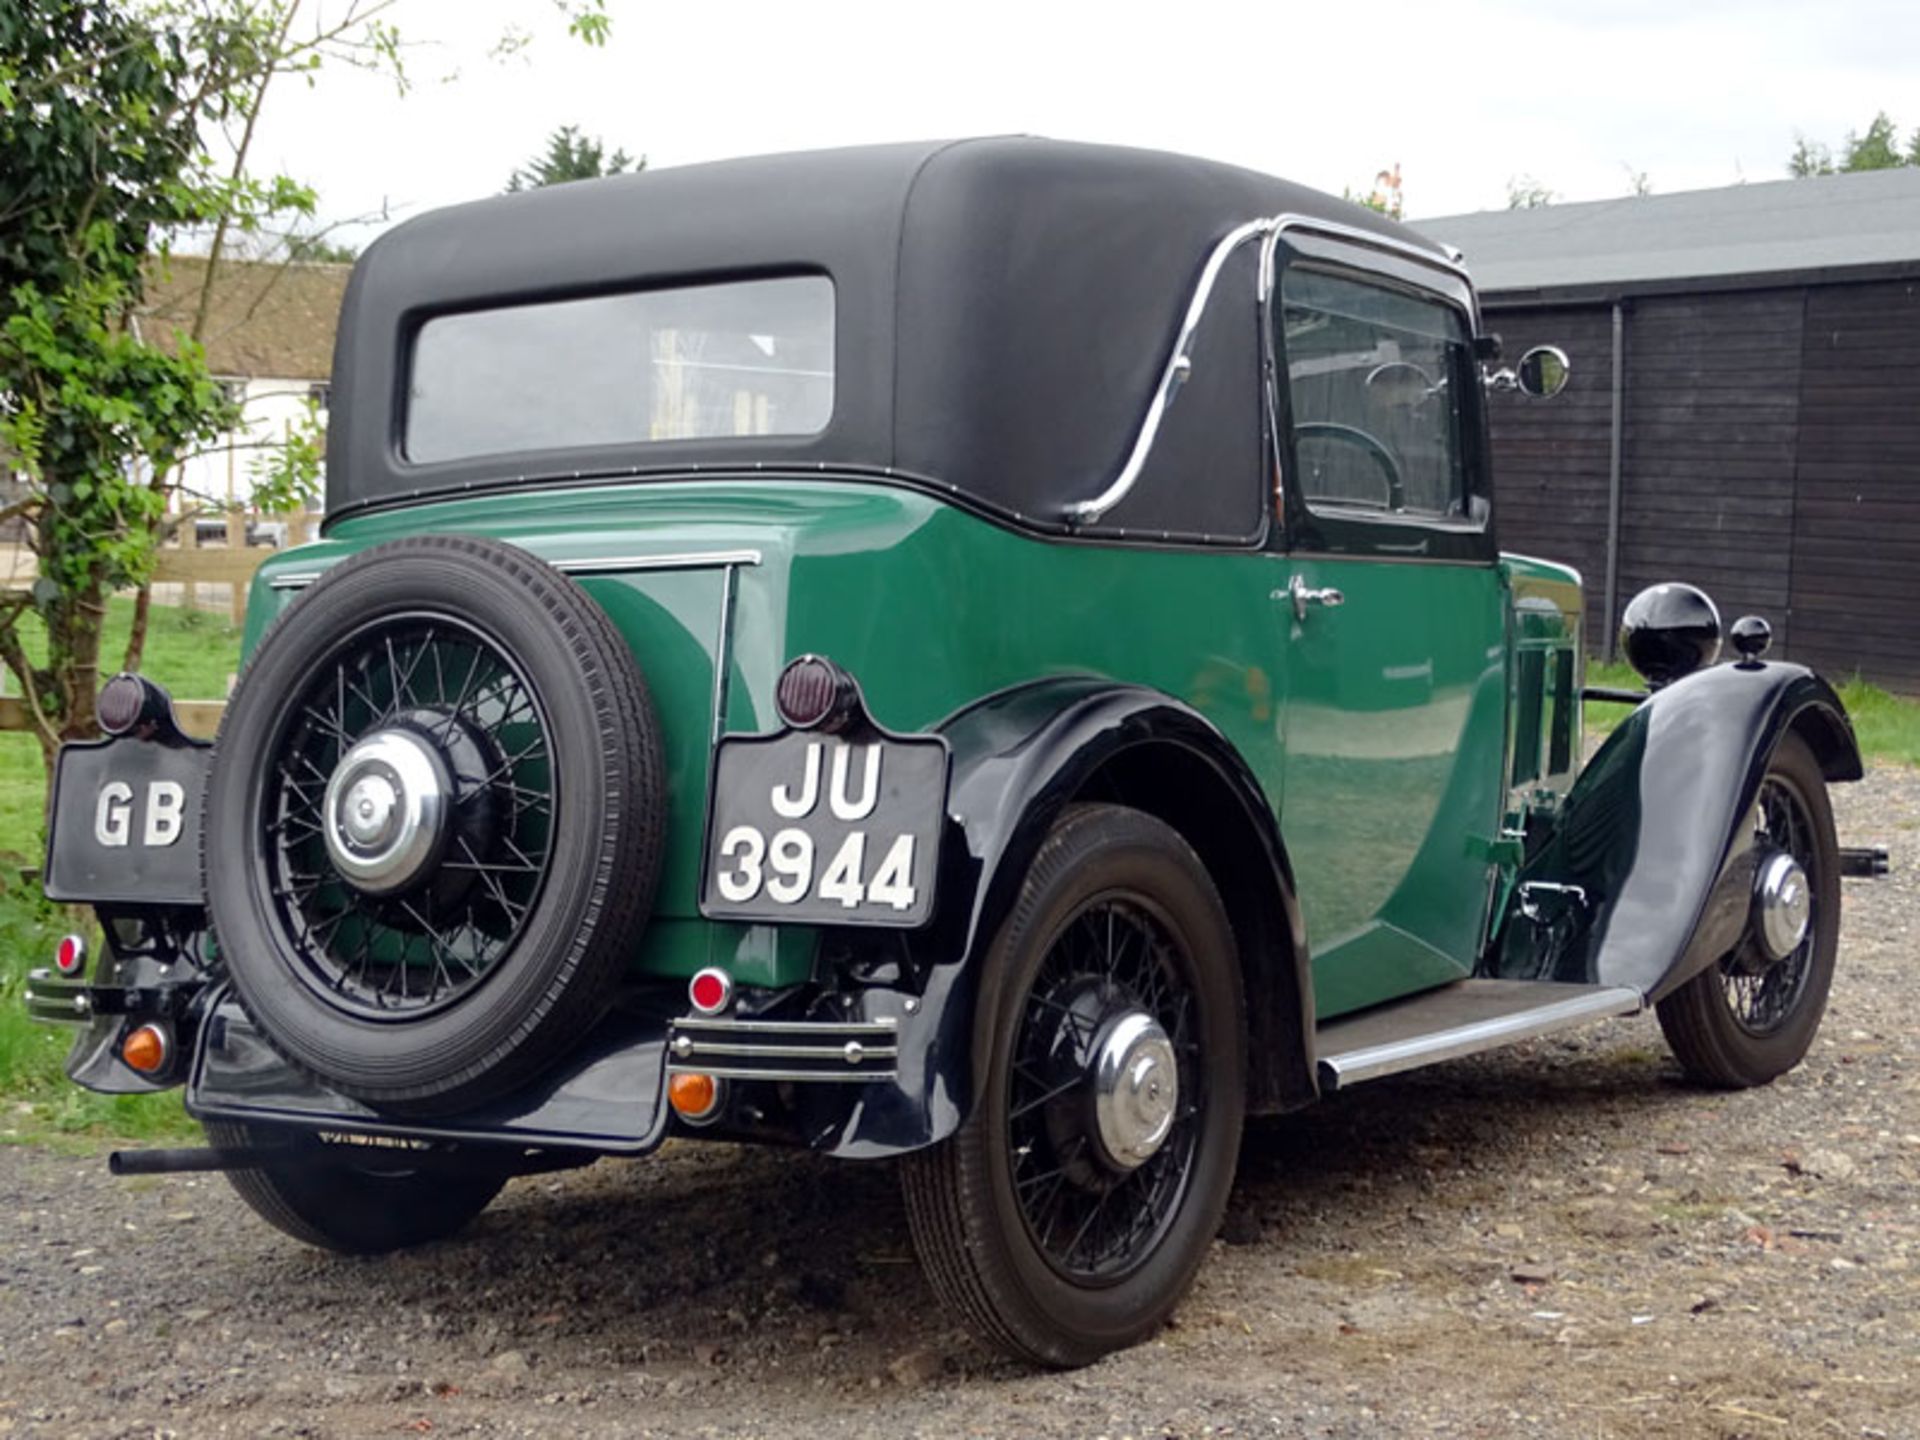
994	654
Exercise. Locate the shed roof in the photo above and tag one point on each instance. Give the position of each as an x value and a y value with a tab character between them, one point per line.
1826	227
268	320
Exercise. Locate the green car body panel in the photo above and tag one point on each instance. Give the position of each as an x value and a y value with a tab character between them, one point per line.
1375	766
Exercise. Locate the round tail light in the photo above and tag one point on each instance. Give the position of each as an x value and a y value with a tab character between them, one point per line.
121	703
813	692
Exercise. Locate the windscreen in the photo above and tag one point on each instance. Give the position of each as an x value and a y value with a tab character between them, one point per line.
698	362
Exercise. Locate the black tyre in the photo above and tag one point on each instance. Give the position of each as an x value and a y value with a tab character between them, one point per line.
1059	1227
1751	1016
434	823
359	1207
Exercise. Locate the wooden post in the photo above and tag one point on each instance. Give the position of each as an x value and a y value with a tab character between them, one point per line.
237	542
189	540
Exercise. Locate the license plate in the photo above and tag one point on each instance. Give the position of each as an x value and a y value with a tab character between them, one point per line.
823	829
124	826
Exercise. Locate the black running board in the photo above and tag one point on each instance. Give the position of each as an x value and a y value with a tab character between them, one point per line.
1463	1018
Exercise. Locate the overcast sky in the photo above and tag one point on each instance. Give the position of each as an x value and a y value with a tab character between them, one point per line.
1464	96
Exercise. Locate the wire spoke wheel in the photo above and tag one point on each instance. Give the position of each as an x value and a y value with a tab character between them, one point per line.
1092	1219
458	693
1069	1213
433	824
1763	998
1750	1016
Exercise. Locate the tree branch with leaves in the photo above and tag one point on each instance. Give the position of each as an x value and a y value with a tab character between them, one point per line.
124	126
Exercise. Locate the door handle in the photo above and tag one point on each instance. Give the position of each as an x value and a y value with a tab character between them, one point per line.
1303	595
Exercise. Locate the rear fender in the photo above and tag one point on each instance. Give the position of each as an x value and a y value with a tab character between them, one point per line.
1646	878
1019	759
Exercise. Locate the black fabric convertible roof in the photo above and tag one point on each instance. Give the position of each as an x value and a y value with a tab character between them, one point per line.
1004	308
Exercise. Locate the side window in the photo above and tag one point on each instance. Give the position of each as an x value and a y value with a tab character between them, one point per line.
1374	376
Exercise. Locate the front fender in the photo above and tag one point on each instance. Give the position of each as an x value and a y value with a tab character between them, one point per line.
1653	833
1019	758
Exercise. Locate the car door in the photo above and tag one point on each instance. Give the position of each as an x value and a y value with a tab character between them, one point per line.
1392	620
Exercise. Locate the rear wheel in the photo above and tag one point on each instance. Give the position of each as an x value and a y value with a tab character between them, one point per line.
1068	1215
1751	1016
357	1207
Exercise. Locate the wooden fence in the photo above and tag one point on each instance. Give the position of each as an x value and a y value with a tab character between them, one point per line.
203	558
191	563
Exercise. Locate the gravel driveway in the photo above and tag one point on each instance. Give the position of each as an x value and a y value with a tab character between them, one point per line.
1556	1240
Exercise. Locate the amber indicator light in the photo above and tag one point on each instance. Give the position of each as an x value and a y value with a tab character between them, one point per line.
146	1049
693	1096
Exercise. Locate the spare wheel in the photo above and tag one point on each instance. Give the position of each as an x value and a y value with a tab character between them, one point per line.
434	823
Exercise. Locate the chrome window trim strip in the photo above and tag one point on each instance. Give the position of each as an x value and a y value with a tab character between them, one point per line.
1180	360
1172	376
588	565
691	560
1353	235
723	648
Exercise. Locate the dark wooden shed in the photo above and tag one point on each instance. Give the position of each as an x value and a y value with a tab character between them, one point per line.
1744	408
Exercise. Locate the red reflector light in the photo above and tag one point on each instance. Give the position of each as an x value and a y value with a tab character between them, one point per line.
809	692
70	955
711	991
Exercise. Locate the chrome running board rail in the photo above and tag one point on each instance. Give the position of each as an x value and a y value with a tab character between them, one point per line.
1463	1018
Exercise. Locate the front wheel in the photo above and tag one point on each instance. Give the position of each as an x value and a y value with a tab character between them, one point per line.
355	1207
1068	1215
1751	1016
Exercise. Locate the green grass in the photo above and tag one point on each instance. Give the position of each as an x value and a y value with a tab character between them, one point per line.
37	1101
191	652
1888	726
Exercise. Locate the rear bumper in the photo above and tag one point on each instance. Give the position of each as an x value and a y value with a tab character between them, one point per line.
831	1083
845	1075
608	1096
54	1001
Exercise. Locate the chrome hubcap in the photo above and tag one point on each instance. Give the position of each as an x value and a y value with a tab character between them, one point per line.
1783	905
1136	1088
386	810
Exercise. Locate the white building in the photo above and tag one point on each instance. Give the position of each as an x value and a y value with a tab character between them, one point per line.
269	339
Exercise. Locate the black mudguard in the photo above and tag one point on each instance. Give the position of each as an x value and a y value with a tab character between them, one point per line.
1019	758
1646	879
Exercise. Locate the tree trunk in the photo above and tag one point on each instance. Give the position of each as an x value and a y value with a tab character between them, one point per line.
137	637
73	660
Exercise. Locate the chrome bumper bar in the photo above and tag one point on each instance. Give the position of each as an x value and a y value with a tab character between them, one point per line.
829	1051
